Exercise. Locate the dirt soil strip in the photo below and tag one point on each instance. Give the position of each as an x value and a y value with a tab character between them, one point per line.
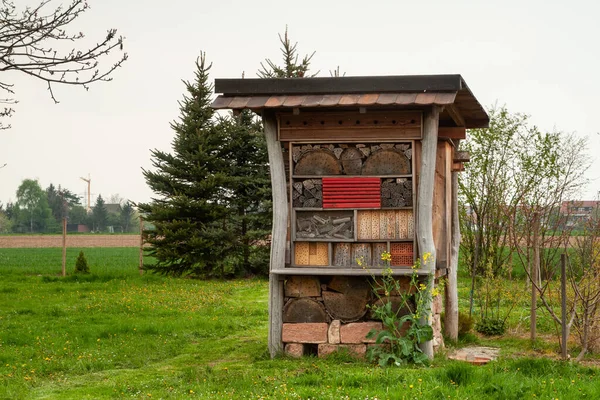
72	241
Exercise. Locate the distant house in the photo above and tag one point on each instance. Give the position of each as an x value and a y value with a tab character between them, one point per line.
577	212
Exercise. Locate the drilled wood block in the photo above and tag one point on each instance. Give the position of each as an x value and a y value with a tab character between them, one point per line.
402	254
311	253
361	251
378	250
364	224
402	217
391	224
375	217
341	255
301	256
411	226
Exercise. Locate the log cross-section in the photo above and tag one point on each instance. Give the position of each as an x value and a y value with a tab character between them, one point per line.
425	203
278	233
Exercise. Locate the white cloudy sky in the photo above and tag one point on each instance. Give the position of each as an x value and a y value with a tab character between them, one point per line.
537	57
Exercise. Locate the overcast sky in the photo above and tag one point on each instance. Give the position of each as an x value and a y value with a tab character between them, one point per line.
537	57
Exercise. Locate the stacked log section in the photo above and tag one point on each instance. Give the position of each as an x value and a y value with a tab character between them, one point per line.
307	193
396	192
328	314
325	225
352	159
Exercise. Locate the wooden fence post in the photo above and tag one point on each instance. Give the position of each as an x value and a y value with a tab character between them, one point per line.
64	247
141	266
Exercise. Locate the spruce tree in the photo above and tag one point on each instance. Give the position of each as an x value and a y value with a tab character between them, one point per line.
188	215
100	215
248	197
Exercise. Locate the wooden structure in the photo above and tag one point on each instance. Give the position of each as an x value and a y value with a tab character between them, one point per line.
359	166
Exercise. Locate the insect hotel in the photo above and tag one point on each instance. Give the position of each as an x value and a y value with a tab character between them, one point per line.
359	166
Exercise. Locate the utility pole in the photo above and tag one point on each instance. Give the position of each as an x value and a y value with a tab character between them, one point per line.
89	184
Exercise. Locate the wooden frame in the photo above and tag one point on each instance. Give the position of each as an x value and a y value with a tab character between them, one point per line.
332	269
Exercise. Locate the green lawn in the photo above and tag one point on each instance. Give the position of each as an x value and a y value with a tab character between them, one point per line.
114	334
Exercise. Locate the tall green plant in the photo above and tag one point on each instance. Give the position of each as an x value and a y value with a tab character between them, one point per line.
405	326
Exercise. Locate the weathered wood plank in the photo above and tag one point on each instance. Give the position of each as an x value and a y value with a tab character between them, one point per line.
425	201
451	310
355	271
278	233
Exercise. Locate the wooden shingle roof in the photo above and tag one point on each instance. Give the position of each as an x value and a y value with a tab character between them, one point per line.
383	92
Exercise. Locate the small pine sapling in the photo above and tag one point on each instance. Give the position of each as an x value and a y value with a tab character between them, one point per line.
81	265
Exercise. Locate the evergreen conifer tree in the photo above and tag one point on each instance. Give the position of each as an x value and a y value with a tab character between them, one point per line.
249	193
100	215
189	217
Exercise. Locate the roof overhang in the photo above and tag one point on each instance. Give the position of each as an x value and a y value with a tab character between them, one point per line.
405	91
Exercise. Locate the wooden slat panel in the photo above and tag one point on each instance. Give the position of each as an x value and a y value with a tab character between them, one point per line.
350	135
351	120
351	192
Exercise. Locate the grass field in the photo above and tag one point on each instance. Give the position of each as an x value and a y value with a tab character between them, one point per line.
114	334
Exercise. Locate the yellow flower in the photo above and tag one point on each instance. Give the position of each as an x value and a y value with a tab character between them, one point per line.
385	256
426	257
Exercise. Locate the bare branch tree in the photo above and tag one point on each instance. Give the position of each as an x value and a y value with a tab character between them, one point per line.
31	42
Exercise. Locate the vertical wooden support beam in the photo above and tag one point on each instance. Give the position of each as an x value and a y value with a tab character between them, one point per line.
451	311
425	203
279	232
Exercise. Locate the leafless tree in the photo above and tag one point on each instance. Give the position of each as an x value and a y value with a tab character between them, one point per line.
35	41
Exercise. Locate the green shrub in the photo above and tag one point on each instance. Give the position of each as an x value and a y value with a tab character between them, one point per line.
465	323
81	265
490	326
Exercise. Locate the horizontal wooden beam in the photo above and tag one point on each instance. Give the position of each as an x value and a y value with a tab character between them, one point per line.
458	132
461	156
340	85
358	271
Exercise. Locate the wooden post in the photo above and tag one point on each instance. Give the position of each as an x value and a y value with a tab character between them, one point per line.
563	305
141	266
64	247
278	234
425	204
535	270
451	316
